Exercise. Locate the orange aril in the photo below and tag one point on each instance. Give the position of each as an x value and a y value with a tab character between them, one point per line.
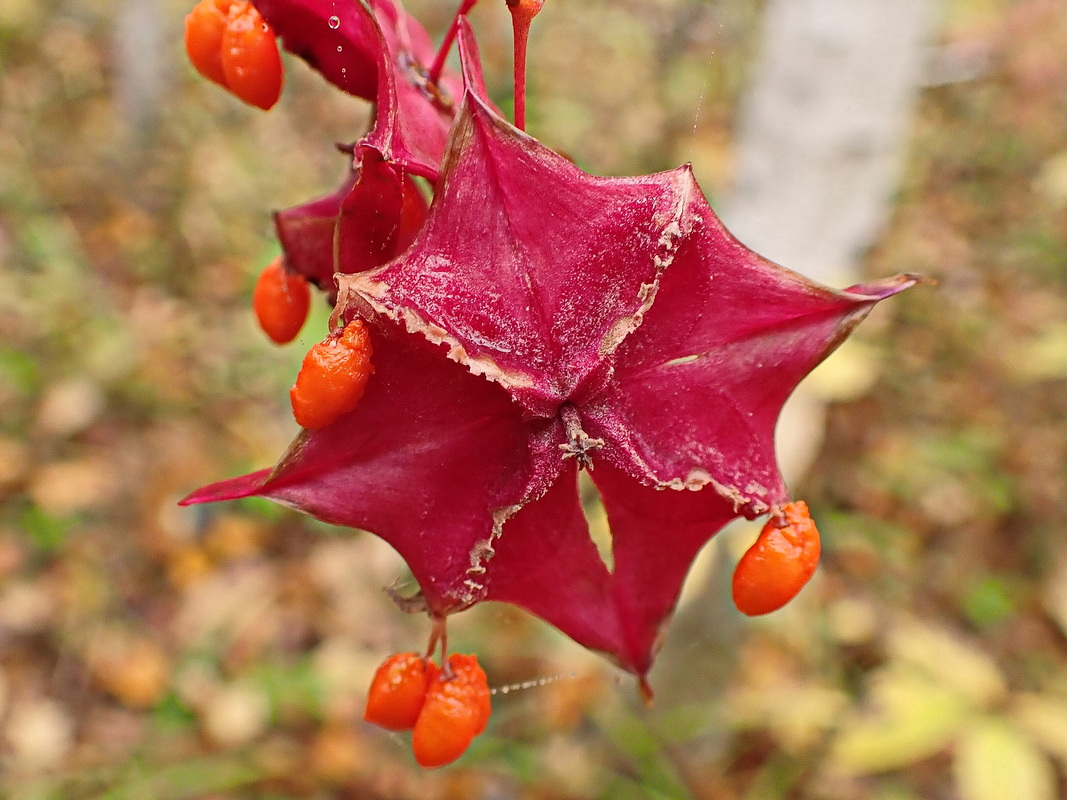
333	377
204	28
774	570
250	58
281	300
456	710
398	691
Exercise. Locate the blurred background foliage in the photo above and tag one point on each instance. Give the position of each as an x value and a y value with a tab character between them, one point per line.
148	651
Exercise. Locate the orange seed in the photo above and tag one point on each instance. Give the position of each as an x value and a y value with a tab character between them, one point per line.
774	570
333	377
398	691
281	300
455	711
204	29
250	58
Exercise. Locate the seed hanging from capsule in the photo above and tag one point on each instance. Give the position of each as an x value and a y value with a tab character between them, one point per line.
281	300
398	691
774	569
333	376
231	44
445	709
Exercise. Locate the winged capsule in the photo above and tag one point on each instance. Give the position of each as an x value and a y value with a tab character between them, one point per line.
565	330
281	300
333	376
774	569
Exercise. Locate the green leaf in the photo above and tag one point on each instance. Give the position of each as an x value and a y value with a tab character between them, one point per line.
45	531
18	369
989	601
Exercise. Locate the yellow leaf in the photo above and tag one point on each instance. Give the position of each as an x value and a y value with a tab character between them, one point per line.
796	714
949	660
1055	595
1052	181
1043	357
911	719
1045	720
848	374
996	762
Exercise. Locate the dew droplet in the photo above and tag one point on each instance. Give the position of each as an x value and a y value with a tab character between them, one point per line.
530	684
339	48
335	22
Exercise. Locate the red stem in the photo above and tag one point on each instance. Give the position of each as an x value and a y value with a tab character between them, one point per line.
438	65
521	26
438	636
522	14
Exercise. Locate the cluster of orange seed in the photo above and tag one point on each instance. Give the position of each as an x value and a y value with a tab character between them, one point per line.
231	44
335	371
443	708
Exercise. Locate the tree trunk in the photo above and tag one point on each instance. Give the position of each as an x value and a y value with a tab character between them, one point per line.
819	150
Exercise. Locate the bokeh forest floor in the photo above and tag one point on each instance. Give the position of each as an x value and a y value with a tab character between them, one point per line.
148	651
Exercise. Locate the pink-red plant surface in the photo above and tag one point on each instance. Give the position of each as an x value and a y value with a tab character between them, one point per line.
533	322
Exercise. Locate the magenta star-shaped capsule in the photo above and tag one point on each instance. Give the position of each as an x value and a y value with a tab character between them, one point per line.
546	321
